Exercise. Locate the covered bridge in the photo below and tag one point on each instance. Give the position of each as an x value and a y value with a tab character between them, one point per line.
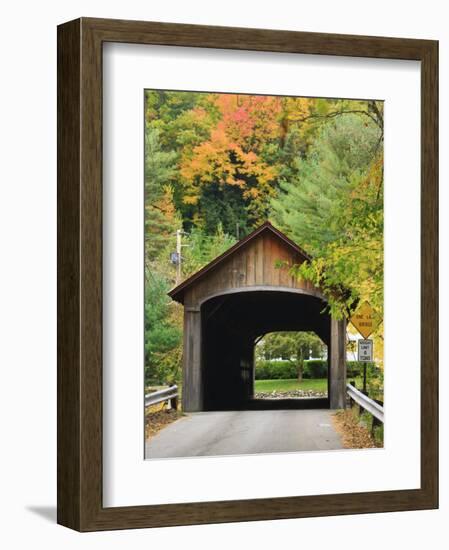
238	297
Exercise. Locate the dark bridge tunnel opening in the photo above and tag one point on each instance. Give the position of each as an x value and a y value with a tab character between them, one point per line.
231	324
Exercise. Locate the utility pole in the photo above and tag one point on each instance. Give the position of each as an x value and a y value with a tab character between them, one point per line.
178	255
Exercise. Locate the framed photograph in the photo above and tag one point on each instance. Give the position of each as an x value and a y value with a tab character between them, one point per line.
247	274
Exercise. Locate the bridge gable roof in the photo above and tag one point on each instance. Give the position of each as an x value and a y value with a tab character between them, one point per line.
177	293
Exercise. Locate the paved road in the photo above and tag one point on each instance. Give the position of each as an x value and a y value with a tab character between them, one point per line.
245	432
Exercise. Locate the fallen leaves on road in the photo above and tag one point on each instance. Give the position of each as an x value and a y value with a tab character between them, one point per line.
353	434
155	421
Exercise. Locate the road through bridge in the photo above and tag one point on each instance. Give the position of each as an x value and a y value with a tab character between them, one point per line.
245	432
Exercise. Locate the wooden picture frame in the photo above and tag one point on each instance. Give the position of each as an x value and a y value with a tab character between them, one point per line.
80	504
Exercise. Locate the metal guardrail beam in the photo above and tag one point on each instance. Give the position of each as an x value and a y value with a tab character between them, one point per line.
161	395
366	402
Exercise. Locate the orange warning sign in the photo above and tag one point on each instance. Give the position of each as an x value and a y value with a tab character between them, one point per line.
365	320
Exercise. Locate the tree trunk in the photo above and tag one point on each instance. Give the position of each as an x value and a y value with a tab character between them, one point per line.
300	366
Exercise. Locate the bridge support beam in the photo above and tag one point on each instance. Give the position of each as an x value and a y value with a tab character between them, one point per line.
338	364
192	380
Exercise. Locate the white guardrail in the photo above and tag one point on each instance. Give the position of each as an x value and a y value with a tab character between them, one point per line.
168	394
366	402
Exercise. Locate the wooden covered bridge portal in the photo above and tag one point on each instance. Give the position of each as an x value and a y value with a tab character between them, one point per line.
234	300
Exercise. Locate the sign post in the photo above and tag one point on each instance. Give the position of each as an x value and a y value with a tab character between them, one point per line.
366	322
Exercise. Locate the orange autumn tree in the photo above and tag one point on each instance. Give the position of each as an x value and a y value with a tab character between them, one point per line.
236	154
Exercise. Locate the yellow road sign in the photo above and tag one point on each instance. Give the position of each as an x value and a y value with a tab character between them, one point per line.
365	320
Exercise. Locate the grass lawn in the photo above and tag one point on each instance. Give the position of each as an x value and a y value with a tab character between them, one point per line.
316	384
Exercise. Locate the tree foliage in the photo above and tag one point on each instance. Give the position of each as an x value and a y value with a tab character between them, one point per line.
334	207
295	347
162	335
160	214
218	165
